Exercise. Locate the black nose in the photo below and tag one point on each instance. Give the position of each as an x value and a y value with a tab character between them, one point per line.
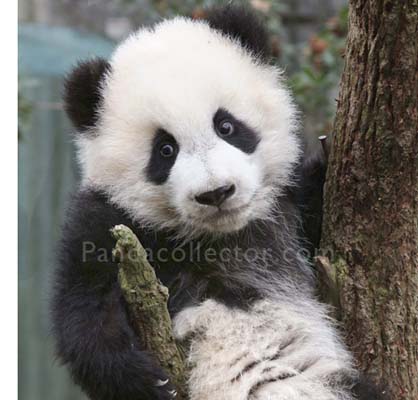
216	197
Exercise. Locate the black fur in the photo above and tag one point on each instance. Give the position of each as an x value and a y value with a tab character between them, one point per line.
243	137
366	390
82	92
158	168
309	198
93	334
243	25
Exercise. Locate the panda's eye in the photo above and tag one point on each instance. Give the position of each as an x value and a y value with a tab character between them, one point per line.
226	128
167	150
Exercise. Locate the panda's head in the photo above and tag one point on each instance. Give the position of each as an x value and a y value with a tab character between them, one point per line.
187	127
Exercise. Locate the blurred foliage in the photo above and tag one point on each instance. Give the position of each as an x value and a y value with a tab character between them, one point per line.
315	83
314	68
24	108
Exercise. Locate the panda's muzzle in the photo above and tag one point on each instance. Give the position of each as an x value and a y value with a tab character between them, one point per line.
216	197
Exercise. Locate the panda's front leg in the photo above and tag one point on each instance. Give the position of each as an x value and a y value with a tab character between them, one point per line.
93	334
94	338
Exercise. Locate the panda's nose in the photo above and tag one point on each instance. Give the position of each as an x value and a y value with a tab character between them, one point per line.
216	197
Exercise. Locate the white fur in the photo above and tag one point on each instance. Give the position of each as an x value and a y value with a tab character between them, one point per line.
176	76
224	341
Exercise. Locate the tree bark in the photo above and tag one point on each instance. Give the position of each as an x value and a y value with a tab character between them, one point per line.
146	298
370	224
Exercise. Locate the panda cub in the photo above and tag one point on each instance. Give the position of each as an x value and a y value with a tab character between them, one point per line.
188	136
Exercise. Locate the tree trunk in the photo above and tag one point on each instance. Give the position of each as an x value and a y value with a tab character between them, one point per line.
370	224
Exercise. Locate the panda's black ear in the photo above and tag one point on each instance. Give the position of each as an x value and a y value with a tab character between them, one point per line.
82	92
241	23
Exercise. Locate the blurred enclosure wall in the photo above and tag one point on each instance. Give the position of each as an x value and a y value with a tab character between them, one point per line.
53	35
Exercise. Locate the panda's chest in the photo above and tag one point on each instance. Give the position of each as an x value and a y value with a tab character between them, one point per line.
263	353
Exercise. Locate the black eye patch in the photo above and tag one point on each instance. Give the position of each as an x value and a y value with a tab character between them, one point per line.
163	156
239	135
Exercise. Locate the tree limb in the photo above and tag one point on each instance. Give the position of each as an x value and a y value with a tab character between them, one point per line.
147	306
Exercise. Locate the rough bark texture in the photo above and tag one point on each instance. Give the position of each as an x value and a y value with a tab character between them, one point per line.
147	306
371	196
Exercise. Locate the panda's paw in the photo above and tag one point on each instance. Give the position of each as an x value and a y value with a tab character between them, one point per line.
167	395
366	389
197	318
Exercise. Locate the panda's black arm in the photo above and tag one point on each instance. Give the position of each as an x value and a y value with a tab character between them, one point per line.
309	198
90	324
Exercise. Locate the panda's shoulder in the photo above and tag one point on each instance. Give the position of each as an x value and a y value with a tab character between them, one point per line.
89	207
90	216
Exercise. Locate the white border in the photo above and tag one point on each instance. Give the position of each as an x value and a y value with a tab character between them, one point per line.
8	168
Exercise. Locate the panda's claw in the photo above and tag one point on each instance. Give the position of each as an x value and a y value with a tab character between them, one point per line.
160	382
173	393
